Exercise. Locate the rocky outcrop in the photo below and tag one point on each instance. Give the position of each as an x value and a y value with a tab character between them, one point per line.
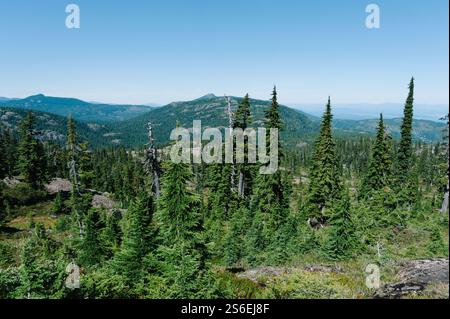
58	185
416	276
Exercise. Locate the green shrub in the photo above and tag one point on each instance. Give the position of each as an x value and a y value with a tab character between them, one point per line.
24	194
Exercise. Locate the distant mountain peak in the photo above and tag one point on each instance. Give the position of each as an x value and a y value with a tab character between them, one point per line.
36	96
208	96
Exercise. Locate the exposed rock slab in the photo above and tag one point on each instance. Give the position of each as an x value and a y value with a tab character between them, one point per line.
416	276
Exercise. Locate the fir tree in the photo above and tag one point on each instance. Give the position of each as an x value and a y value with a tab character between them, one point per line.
2	204
341	240
178	207
112	233
242	117
91	247
58	205
444	166
137	239
379	171
270	199
242	120
42	272
437	246
273	117
31	161
72	154
404	153
324	174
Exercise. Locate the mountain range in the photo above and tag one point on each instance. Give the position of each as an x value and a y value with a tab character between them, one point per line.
108	124
80	110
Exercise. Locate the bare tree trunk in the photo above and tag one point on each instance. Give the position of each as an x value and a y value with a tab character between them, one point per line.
444	207
241	188
151	162
231	124
156	185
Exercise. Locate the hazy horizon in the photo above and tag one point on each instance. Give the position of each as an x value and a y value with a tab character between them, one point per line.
351	111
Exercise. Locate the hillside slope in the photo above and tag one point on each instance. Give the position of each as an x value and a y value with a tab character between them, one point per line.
52	127
80	110
211	110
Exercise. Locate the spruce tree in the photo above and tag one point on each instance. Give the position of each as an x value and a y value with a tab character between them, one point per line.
91	247
270	201
58	205
324	177
178	208
31	161
379	171
137	239
444	166
2	204
404	153
341	241
273	117
72	154
242	120
183	253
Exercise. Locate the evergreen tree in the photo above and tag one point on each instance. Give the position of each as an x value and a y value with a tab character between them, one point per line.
341	241
273	117
86	172
437	246
270	200
242	117
91	251
324	176
379	171
137	239
2	205
112	233
178	208
31	160
58	205
42	271
444	166
242	120
72	154
182	255
404	153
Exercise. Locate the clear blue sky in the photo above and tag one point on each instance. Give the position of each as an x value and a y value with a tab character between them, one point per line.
159	51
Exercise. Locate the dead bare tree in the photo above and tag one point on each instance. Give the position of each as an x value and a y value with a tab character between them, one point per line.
445	153
230	127
152	166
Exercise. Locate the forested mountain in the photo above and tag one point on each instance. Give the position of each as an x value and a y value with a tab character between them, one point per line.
423	130
211	110
52	127
126	125
80	110
299	127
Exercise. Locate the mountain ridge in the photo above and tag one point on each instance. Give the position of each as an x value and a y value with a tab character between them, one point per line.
78	109
300	127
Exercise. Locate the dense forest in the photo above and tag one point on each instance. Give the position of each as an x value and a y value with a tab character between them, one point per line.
130	223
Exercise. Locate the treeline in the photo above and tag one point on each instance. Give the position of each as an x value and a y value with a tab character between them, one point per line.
182	224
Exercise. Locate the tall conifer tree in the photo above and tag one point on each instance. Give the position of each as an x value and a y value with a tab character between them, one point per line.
242	120
324	175
31	162
379	171
404	154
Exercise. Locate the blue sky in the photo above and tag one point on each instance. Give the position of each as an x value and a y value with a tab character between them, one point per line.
160	51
